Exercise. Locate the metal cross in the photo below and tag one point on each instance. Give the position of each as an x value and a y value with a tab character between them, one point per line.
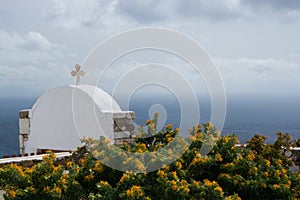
77	73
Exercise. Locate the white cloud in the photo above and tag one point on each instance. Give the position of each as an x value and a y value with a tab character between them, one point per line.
83	13
30	62
238	31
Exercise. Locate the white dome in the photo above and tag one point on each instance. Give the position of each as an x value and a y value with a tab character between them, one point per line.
63	115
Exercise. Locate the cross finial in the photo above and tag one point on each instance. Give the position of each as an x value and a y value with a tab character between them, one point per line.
77	73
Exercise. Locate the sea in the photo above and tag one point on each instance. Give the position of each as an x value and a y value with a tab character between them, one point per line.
245	116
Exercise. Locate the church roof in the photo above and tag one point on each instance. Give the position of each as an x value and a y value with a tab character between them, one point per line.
63	115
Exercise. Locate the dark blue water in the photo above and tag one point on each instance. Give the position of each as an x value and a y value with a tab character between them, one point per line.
245	116
9	123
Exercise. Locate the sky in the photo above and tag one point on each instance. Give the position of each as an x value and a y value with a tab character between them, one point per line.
255	44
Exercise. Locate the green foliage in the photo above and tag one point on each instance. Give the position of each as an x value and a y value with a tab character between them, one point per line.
257	171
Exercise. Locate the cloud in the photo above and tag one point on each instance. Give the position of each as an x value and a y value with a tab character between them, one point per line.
92	13
274	4
30	62
83	13
151	11
142	11
252	76
71	14
102	14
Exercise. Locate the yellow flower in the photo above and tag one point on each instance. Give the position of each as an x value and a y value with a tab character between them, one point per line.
74	182
178	165
174	185
279	162
276	186
173	182
284	171
134	190
174	174
169	126
28	170
196	183
139	151
183	182
104	183
277	173
142	146
268	163
227	176
250	156
63	180
177	130
255	169
69	164
11	193
219	157
82	161
167	168
207	183
186	190
298	177
148	122
57	169
219	189
169	139
46	189
57	189
125	176
266	174
98	166
89	177
129	193
228	165
17	168
161	173
226	139
77	169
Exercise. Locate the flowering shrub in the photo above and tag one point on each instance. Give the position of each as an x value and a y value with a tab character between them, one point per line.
255	171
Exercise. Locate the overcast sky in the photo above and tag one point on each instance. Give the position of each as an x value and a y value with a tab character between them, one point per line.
254	43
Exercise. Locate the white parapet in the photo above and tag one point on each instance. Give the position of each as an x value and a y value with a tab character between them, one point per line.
32	158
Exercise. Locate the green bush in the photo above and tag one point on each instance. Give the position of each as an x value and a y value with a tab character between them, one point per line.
256	171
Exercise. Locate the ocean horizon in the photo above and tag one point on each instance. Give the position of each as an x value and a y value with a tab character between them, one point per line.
244	118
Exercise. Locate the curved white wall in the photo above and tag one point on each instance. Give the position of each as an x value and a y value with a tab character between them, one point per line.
63	115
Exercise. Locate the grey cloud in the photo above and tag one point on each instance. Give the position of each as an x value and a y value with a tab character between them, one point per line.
141	11
274	4
154	10
212	10
92	13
